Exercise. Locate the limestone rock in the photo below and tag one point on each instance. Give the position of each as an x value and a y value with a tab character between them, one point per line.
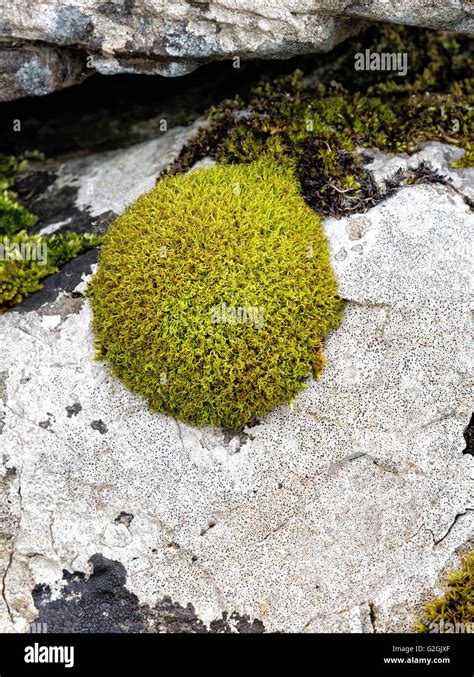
61	42
337	514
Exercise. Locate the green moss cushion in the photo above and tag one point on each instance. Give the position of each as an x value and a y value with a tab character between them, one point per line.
214	292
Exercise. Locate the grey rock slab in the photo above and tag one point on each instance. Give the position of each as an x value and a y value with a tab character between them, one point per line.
105	183
35	69
337	513
456	15
150	36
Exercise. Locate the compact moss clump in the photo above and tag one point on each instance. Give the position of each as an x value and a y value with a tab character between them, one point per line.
214	293
457	604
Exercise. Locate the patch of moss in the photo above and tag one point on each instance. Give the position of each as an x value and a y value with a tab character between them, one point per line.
457	603
37	257
26	259
214	293
318	121
13	216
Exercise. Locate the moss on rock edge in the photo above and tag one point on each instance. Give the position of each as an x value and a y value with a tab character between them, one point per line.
320	116
214	293
457	603
20	276
13	215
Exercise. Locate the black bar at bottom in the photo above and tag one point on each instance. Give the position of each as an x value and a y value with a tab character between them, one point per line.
394	654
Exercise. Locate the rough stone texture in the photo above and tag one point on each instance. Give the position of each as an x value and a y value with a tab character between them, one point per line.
34	69
455	15
173	38
102	603
337	514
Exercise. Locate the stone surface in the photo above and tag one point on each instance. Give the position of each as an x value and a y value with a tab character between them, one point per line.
339	513
31	69
62	42
437	155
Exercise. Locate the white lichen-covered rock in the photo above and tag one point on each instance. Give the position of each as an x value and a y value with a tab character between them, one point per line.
336	514
107	182
64	42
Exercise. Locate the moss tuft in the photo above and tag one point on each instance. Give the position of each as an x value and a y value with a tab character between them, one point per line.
26	259
214	293
457	603
36	257
13	216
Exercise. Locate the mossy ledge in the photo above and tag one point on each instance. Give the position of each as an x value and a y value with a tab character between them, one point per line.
456	606
321	115
214	293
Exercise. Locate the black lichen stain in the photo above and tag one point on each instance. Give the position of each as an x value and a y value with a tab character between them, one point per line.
66	279
40	193
99	426
102	604
73	409
124	518
469	437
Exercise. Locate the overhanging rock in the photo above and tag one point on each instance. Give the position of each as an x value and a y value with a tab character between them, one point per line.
60	43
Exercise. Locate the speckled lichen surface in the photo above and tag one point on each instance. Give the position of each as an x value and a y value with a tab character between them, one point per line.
342	510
